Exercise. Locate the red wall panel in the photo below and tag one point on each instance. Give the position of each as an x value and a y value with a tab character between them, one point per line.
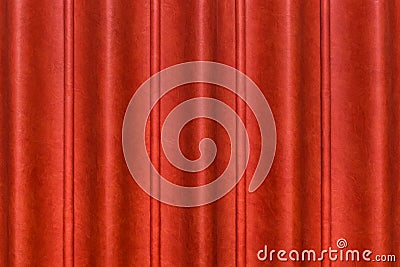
68	69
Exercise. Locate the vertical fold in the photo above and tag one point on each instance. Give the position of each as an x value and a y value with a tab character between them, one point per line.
393	124
365	125
4	135
283	58
155	129
241	188
5	84
111	60
31	99
109	128
325	128
206	235
68	221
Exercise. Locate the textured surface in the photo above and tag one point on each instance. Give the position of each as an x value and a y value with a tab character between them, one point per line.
68	69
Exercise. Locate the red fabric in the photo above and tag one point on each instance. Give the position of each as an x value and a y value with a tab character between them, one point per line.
329	70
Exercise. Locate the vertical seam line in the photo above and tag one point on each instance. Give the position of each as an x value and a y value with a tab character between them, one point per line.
240	62
325	126
68	182
155	37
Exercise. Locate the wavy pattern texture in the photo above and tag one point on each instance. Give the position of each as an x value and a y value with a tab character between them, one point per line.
329	70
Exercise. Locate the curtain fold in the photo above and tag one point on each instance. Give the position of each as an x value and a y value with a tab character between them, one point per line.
32	132
365	123
68	69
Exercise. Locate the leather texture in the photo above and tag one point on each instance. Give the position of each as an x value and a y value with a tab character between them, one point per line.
329	70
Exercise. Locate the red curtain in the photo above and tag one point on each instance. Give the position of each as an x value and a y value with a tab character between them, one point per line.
329	70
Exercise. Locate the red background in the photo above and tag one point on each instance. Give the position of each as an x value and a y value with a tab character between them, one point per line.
330	72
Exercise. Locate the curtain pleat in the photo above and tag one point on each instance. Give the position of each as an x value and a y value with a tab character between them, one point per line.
365	124
68	69
283	47
68	211
112	57
326	127
32	136
205	235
